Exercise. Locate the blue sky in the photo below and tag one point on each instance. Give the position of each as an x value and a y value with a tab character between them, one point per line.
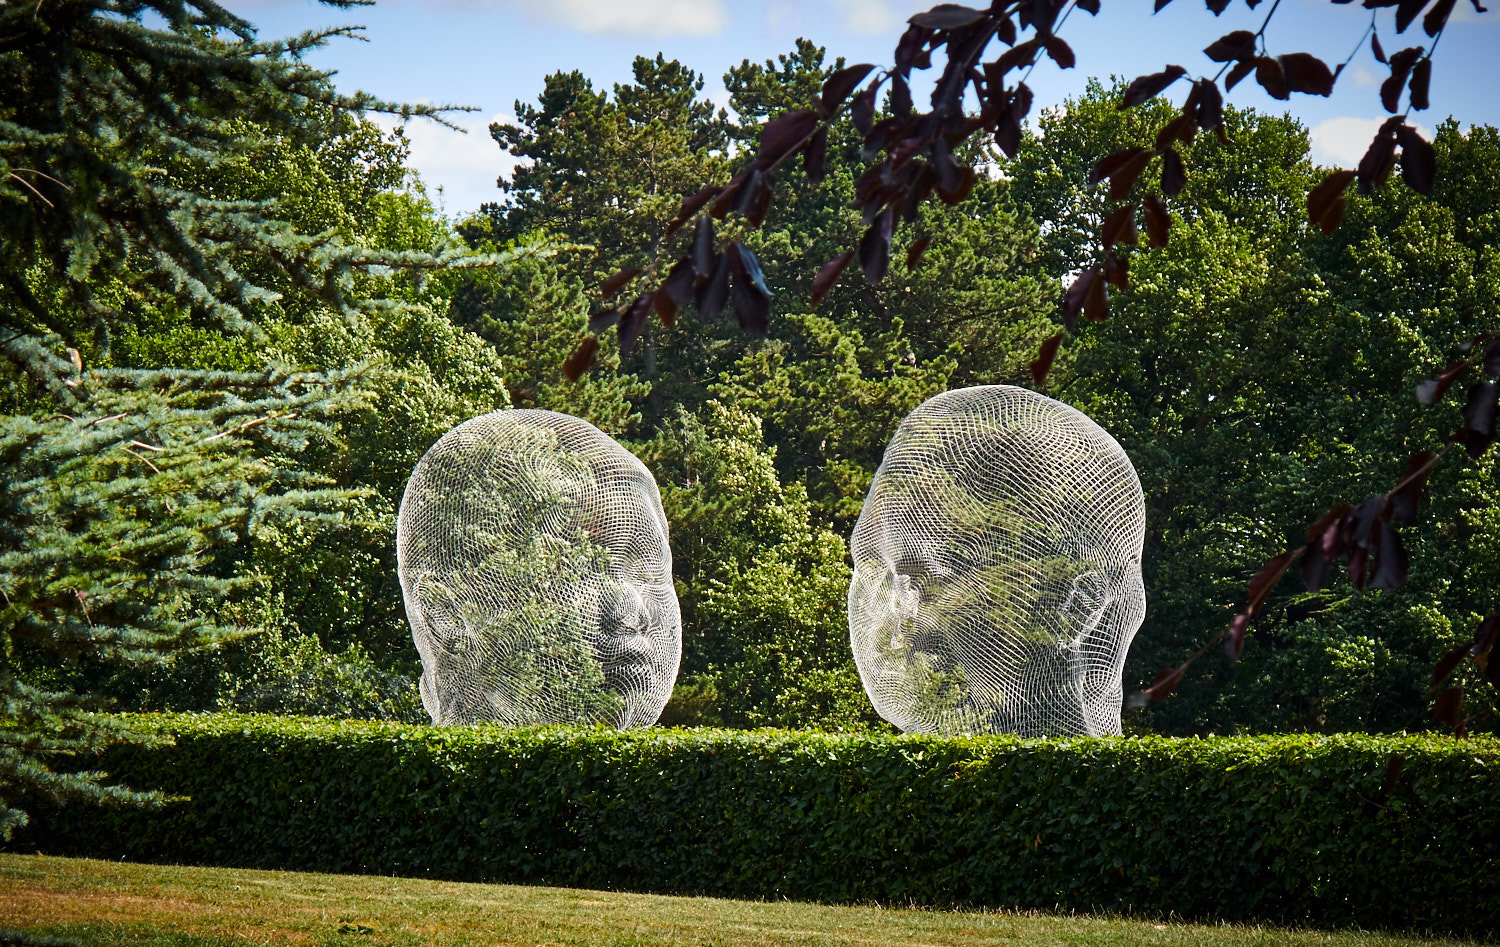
489	53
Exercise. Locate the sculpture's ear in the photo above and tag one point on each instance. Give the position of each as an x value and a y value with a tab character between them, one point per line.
440	612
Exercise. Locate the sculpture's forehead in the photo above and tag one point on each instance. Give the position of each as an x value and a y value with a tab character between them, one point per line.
1009	463
522	472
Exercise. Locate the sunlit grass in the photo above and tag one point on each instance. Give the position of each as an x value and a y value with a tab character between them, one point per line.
92	902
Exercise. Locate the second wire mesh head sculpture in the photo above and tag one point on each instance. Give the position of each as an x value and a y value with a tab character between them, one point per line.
533	556
997	579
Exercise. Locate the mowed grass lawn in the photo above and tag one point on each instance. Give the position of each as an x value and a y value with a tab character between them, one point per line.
94	902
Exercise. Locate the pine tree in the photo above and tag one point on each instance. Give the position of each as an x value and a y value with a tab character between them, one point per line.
126	491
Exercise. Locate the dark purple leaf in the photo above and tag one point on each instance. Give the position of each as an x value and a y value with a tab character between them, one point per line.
1241	69
915	251
1329	520
838	86
1173	175
1407	493
1182	128
967	178
748	194
756	215
1321	200
1078	293
1376	163
784	134
1045	356
1314	566
1393	768
1108	165
632	322
911	49
752	307
674	291
1096	303
1479	412
1492	358
713	292
601	319
1232	46
1116	271
1020	54
1446	664
1164	683
828	274
1145	88
1376	49
1432	391
862	109
1061	52
1391	561
612	285
1406	11
1421	79
1488	635
1437	17
1124	179
1401	66
1418	160
1370	513
1210	104
1234	635
1449	708
1306	73
1006	30
1119	227
900	96
727	197
690	207
582	358
703	248
815	157
1158	221
1219	6
1272	78
947	16
1265	581
746	266
1089	6
875	247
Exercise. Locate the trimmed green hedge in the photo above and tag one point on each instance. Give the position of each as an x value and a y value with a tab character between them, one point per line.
1299	829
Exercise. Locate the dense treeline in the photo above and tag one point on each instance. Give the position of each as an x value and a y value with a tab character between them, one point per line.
1256	363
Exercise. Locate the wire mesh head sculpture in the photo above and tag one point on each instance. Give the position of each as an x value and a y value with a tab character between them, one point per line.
533	556
997	569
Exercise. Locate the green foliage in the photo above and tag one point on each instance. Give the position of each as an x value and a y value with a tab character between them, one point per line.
279	672
1322	830
535	314
1259	373
762	587
199	244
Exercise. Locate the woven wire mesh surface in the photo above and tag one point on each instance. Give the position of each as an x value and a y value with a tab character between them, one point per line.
997	569
533	556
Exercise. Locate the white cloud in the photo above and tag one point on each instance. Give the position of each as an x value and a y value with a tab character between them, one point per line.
464	166
878	17
1364	78
647	18
1341	142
